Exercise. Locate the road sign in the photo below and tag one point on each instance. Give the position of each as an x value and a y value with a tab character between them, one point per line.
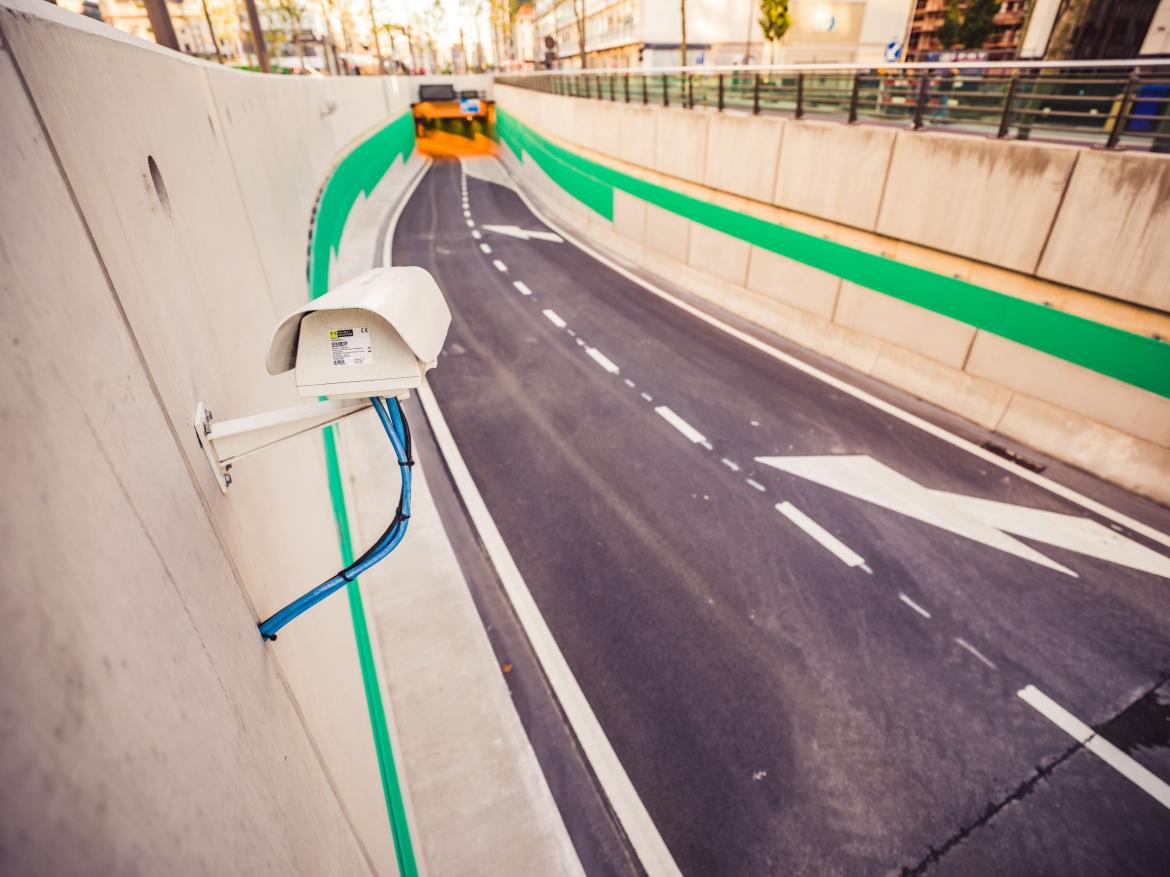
981	520
469	106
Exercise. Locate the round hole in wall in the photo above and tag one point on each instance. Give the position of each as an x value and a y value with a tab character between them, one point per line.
160	188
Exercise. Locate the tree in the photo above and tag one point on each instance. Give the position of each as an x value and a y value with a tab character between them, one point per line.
950	33
579	10
978	23
775	20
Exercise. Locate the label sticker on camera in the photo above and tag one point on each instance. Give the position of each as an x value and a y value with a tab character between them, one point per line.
351	346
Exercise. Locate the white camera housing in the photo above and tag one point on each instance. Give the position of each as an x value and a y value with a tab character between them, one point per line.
376	335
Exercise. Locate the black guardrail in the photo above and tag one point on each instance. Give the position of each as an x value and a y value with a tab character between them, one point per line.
1108	104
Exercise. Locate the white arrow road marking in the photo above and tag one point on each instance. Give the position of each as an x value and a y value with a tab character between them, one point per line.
984	521
681	425
524	234
1095	743
843	552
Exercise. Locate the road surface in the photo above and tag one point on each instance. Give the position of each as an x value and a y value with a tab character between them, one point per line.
812	647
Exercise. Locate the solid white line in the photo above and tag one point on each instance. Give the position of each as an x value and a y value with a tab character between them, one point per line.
647	397
475	234
485	248
554	318
651	850
857	393
681	425
753	483
602	360
913	605
839	549
962	643
734	467
1152	785
500	266
521	288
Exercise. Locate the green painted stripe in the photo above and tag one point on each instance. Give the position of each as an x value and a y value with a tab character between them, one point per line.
359	172
1135	359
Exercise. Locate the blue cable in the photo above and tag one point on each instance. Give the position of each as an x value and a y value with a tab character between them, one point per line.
394	422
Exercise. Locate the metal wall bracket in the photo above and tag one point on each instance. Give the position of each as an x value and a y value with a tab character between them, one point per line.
227	441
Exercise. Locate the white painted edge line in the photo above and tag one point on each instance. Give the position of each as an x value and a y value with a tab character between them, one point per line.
856	392
1144	779
500	266
827	540
963	644
485	248
602	360
651	850
521	288
681	425
554	318
913	605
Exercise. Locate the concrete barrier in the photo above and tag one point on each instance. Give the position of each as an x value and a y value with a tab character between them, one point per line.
155	223
999	204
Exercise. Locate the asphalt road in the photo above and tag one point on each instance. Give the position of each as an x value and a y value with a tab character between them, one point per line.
780	707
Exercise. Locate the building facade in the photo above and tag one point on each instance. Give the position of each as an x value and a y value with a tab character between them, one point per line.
1004	43
648	33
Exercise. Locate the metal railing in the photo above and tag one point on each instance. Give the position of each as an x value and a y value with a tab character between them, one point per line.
1113	104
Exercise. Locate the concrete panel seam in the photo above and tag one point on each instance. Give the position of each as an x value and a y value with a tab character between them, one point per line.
877	214
1055	215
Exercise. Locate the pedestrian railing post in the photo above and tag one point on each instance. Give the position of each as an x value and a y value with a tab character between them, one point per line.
920	102
665	90
854	96
1005	121
626	86
800	94
721	92
1123	111
612	86
690	91
645	91
756	95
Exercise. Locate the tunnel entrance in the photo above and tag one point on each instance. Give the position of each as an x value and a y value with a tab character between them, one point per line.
450	124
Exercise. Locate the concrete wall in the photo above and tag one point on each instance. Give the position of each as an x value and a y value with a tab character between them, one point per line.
155	223
1084	218
1111	428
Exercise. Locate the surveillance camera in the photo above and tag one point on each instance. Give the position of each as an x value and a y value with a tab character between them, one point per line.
376	335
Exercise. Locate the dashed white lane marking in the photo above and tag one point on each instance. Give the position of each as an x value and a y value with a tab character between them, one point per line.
753	483
707	445
730	464
521	288
859	394
485	248
1156	788
580	342
647	397
963	644
602	360
572	334
554	318
467	214
913	605
681	425
500	266
471	223
630	383
475	234
635	820
827	540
